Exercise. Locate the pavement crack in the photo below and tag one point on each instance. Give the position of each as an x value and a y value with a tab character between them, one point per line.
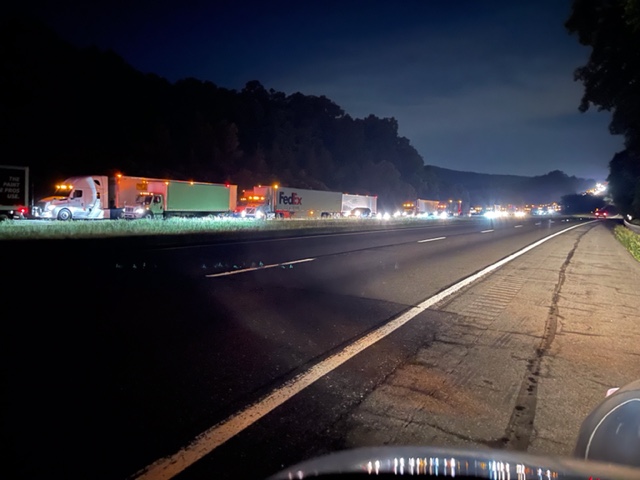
606	385
513	332
473	326
573	332
453	342
550	440
461	436
519	430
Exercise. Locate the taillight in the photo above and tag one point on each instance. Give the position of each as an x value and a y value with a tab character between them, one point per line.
23	210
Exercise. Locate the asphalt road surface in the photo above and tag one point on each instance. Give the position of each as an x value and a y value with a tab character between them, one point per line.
116	355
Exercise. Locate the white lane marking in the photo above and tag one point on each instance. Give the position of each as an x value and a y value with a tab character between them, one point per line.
518	226
253	269
486	231
539	223
168	467
431	239
316	235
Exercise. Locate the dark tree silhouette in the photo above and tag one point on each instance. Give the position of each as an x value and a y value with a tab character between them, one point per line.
611	80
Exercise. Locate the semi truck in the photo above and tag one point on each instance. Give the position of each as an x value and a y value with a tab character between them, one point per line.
92	197
14	192
291	202
421	207
176	198
451	208
110	197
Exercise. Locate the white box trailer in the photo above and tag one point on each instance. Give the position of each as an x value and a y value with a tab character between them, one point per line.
359	205
421	207
291	202
302	203
14	192
426	206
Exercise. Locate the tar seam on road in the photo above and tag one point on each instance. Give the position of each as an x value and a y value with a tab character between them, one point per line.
520	427
168	467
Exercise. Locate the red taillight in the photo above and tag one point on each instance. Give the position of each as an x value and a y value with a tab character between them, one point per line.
23	210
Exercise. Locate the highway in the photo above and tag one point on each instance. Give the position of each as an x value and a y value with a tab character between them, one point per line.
118	355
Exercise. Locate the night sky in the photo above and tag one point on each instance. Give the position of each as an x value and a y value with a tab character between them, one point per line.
484	86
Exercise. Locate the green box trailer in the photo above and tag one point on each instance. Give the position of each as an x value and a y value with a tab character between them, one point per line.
178	198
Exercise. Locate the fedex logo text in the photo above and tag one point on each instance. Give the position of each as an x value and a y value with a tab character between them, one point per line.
293	199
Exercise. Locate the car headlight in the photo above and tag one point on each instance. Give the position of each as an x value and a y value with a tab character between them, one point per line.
50	207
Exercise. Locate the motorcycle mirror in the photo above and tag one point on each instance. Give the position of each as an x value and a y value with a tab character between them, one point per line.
611	432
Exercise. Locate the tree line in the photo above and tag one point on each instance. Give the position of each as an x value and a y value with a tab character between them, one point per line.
611	80
67	111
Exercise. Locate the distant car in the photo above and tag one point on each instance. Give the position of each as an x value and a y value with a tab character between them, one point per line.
605	212
244	212
15	213
360	212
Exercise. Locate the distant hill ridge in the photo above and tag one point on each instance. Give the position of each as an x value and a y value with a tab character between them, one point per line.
488	189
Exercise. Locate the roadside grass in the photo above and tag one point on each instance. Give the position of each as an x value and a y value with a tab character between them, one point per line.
20	230
629	239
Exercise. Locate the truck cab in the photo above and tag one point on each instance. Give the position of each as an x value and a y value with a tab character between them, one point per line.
75	198
253	204
409	208
147	205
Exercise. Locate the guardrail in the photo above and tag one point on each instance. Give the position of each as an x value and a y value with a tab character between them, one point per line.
632	227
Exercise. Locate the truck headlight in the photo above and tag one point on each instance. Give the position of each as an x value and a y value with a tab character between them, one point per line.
50	207
139	210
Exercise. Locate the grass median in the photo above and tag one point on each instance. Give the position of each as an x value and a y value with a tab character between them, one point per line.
44	229
629	239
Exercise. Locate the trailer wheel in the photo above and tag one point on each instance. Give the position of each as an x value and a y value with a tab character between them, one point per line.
64	214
